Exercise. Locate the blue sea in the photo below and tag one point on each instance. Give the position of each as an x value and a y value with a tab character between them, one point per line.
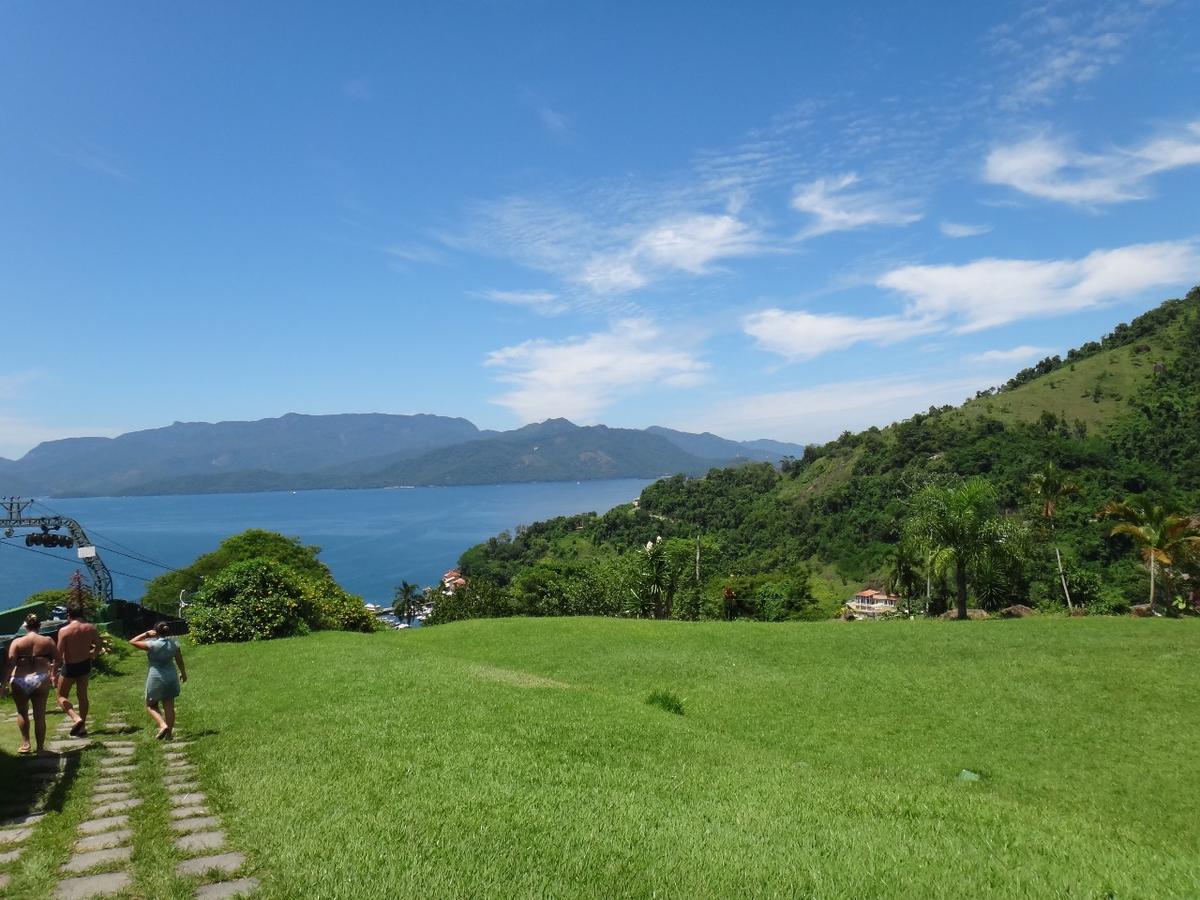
371	539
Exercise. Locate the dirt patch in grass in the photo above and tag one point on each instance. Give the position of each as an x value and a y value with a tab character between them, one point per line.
515	678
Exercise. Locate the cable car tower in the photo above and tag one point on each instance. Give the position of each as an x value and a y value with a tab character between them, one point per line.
48	536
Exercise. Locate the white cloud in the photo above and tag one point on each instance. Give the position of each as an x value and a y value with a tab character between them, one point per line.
835	207
1015	355
990	292
1053	170
803	335
545	302
580	377
692	243
979	295
821	412
961	230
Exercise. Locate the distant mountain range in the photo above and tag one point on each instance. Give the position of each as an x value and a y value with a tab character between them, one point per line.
299	452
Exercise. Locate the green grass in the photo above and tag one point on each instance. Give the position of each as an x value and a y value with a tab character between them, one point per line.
1068	392
520	758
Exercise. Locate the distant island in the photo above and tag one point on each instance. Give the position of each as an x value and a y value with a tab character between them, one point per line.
370	450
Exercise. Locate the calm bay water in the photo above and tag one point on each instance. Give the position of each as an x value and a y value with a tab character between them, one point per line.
370	539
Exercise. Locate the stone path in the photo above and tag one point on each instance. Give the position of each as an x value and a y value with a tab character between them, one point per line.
101	854
99	863
199	834
17	823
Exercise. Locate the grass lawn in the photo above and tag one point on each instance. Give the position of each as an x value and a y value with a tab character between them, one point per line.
519	758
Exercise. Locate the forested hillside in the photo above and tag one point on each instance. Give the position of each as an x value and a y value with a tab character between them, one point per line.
1116	418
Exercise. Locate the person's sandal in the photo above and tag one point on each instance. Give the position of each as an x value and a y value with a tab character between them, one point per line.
162	733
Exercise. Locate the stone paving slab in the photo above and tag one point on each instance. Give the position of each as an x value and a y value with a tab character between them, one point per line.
199	823
14	836
191	798
107	809
116	742
92	886
224	862
219	890
95	826
188	812
111	795
117	770
179	764
120	751
3	881
83	861
10	856
66	745
200	840
27	819
182	787
180	778
113	762
45	763
103	841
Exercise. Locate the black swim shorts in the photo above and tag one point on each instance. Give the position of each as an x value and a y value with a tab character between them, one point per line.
77	669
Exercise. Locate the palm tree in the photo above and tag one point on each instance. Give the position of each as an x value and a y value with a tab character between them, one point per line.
1162	537
1050	486
405	602
960	528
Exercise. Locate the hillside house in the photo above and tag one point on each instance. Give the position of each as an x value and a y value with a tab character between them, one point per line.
452	581
870	603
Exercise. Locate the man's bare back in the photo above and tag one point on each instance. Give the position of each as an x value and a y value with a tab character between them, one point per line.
78	641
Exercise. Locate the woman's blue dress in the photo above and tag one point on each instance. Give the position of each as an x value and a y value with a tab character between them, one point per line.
162	681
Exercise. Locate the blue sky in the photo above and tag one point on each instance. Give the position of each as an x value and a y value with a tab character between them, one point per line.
764	220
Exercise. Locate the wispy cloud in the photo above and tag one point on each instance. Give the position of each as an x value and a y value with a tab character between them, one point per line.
415	253
1052	169
92	160
545	302
962	230
798	335
1016	355
580	377
609	260
837	205
1056	45
990	292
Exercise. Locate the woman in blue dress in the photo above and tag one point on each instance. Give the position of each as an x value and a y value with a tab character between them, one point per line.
166	673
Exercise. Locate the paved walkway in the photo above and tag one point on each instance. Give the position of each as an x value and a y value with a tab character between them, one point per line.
100	861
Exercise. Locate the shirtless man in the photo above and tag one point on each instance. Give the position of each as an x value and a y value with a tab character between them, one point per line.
78	645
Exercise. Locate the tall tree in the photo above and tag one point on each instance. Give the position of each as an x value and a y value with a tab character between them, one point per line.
961	528
1161	537
1050	486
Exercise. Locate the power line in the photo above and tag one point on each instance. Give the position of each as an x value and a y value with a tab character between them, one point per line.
8	543
111	540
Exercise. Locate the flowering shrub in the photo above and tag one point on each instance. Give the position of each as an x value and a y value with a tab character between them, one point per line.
251	600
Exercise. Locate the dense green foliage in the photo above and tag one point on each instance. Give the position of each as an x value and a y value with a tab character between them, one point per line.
543	771
841	508
259	584
163	592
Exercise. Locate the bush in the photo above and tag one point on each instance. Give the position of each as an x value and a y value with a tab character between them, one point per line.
332	609
251	600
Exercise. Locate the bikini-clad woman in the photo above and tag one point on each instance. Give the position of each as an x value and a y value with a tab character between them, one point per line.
30	671
162	681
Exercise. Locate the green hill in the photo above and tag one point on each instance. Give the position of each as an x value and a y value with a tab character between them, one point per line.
1120	416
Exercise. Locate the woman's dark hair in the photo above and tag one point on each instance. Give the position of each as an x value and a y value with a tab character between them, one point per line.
162	629
32	624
